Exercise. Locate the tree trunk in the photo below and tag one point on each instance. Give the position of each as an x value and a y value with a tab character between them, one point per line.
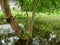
28	18
21	42
9	17
12	22
32	21
33	14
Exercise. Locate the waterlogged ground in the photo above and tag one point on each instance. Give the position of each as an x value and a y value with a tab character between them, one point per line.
7	34
51	21
5	38
9	37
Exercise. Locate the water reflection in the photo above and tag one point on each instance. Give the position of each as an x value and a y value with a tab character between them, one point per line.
36	40
7	37
7	34
9	41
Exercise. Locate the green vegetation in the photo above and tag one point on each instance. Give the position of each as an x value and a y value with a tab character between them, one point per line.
42	5
39	17
25	35
44	24
43	21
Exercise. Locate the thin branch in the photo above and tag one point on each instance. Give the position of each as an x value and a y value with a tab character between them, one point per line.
28	19
33	15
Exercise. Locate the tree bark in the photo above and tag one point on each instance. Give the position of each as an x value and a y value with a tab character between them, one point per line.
28	18
9	17
33	14
12	22
32	21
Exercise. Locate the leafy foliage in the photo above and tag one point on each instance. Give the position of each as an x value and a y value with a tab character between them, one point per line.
43	25
41	5
26	35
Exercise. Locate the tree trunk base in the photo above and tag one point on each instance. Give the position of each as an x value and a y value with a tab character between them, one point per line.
30	41
21	42
24	42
